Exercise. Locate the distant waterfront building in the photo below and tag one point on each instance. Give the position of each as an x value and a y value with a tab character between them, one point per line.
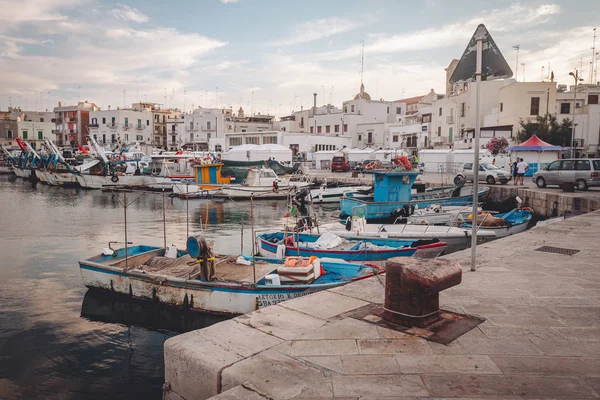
121	126
71	123
203	127
31	126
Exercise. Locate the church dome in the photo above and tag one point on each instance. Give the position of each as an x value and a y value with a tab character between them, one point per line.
362	95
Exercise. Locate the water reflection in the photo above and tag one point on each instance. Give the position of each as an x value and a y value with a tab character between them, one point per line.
114	308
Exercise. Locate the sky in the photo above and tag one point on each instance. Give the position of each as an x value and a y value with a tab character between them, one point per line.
270	56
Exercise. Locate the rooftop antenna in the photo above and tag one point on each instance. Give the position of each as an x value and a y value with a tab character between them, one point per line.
79	94
165	104
184	98
593	55
124	98
517	47
523	65
362	61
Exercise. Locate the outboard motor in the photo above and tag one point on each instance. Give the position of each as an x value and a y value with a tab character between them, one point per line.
199	249
403	212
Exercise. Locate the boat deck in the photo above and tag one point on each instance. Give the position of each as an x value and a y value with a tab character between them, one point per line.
225	269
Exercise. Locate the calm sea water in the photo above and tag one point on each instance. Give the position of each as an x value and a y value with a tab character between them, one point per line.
60	341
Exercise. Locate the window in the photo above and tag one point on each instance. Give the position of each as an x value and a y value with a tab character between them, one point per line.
113	121
583	165
126	137
360	138
501	108
439	131
252	140
191	125
395	138
398	110
104	120
577	105
173	128
95	137
423	128
24	134
113	138
568	165
553	166
596	164
327	128
369	137
270	140
565	108
462	109
207	135
318	129
41	119
139	137
235	141
147	122
207	124
302	122
426	118
40	135
352	108
94	121
312	130
388	110
468	166
592	99
440	112
139	123
103	138
450	133
535	106
9	135
345	127
345	109
126	122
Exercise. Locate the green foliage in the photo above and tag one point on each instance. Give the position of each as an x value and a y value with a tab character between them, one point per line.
497	145
547	128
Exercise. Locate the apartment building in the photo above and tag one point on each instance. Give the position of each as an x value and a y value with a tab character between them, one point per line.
121	126
72	122
201	127
584	99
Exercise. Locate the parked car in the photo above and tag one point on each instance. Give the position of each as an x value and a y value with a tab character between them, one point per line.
487	172
583	172
340	163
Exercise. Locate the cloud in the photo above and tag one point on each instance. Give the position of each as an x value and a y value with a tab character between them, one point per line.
317	29
127	13
515	17
27	11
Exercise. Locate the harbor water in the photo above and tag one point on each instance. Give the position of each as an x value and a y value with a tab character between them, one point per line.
60	341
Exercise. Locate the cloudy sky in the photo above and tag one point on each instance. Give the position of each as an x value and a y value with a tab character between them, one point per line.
269	56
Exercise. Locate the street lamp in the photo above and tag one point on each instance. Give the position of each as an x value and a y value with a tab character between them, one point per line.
577	80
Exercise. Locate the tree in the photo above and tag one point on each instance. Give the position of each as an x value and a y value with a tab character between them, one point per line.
547	128
497	145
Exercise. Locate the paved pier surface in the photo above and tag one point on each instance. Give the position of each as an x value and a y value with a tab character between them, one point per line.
541	337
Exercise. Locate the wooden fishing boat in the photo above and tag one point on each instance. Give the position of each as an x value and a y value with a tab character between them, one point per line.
174	277
506	224
352	249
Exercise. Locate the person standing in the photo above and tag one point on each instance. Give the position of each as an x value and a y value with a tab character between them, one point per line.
522	168
514	170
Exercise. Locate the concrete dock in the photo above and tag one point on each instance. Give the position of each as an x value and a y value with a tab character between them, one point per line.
540	338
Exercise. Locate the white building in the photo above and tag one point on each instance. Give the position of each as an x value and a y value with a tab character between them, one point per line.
586	138
201	127
123	126
34	132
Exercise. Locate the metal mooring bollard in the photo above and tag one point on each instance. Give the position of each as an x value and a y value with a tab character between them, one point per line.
412	288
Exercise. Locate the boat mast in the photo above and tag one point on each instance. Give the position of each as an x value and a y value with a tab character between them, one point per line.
253	237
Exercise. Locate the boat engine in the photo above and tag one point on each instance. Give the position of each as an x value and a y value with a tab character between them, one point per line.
403	212
200	250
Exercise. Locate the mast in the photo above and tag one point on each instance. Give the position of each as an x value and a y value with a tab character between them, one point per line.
362	61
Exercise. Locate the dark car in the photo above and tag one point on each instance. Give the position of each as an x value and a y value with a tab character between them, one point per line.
340	163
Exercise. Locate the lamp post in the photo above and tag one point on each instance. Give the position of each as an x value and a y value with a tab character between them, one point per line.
577	80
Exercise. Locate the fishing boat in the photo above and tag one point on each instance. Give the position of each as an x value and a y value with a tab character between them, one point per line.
7	160
207	178
198	280
327	194
28	161
393	198
506	224
261	183
455	238
350	249
436	214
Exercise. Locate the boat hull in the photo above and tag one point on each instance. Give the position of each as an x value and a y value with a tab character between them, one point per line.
333	195
269	249
382	211
61	178
5	170
105	182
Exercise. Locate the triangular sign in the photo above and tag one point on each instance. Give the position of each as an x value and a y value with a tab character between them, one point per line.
493	64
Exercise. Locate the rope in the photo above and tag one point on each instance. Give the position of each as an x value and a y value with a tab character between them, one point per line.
411	316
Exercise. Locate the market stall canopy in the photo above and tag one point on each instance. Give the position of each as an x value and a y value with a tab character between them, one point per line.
535	144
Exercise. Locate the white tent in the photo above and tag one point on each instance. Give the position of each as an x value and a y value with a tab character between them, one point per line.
323	158
253	152
358	155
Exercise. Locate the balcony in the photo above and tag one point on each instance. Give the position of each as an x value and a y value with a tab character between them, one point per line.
139	127
578	143
450	119
112	126
93	125
191	129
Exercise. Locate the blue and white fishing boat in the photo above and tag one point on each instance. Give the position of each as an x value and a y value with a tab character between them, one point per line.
330	245
506	224
392	197
198	280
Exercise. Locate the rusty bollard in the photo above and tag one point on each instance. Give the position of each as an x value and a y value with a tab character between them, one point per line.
412	287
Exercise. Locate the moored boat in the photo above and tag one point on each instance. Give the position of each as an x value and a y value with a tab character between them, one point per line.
350	249
506	224
175	277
